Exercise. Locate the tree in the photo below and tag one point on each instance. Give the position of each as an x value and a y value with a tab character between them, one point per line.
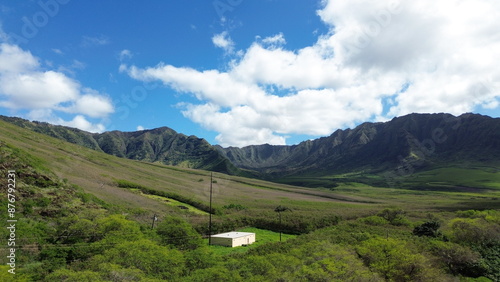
279	209
153	260
429	228
73	276
395	216
394	260
217	273
459	259
177	232
200	258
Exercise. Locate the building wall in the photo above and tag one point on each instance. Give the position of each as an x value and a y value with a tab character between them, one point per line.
234	242
222	241
245	240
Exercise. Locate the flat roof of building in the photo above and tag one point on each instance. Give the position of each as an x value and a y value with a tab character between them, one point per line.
232	234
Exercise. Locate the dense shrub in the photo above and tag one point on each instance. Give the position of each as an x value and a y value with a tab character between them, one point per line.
395	260
429	228
157	261
178	233
394	216
73	276
459	260
374	220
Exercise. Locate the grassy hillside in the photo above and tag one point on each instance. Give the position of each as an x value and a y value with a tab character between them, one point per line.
84	214
163	145
98	173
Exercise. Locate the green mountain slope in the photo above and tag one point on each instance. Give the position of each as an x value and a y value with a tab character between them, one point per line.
162	145
101	174
391	154
399	148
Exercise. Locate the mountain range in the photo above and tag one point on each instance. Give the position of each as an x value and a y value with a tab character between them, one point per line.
420	140
404	145
157	145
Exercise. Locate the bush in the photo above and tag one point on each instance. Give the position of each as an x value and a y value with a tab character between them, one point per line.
178	233
475	231
200	258
429	229
154	260
374	220
218	273
394	260
73	276
394	216
237	207
459	259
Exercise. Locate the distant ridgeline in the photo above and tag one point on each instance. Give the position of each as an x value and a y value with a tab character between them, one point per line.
406	144
417	141
157	145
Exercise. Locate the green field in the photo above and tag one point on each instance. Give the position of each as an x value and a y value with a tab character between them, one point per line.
453	177
262	237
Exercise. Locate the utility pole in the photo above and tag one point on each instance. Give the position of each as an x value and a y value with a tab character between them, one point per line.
279	209
154	220
281	228
210	214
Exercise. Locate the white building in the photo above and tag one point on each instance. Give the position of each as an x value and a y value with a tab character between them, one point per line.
233	239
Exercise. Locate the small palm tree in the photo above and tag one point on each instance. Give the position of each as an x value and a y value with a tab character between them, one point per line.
279	209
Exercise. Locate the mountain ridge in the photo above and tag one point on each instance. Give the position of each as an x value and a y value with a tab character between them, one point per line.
413	142
162	144
380	146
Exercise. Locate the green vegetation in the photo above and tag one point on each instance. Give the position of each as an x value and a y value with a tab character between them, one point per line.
262	237
80	218
452	177
172	199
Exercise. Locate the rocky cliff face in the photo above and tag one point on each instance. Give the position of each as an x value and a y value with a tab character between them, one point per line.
418	139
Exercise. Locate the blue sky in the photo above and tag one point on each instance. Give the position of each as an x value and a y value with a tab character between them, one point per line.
241	72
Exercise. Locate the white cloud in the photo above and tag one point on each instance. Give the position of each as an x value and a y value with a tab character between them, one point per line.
92	104
15	60
222	40
25	85
419	56
274	41
82	123
37	89
57	51
140	128
78	121
125	54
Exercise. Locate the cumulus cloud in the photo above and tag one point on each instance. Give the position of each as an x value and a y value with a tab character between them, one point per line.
25	85
274	41
78	121
379	60
91	104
